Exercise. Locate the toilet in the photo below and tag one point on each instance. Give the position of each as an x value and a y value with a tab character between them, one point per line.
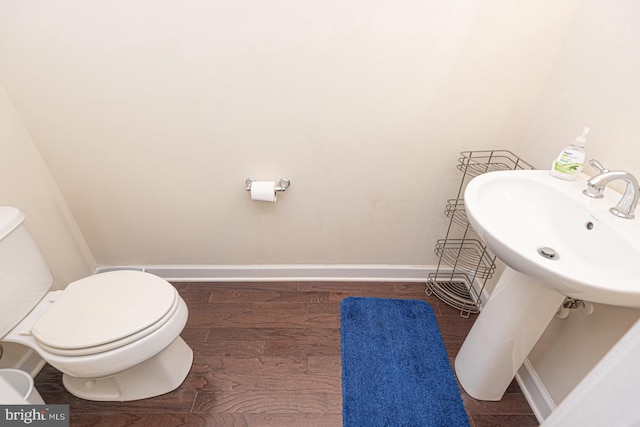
115	336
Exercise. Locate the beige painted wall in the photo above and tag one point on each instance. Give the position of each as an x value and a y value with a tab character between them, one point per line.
151	115
25	182
594	82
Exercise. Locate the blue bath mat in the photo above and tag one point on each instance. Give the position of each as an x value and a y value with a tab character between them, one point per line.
395	370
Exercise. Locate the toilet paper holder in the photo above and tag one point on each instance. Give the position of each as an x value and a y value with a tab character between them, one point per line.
283	184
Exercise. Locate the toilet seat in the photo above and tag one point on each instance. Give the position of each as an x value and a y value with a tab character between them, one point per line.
104	312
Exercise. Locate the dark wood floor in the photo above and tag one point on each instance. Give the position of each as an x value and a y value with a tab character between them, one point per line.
268	354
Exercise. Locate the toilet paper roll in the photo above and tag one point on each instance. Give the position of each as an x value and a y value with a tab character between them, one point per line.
264	191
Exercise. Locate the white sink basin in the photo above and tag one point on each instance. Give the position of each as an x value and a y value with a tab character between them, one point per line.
516	213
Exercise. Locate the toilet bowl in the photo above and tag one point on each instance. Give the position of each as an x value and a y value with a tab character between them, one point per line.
16	388
115	336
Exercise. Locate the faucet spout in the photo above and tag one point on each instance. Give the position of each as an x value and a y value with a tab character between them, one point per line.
629	200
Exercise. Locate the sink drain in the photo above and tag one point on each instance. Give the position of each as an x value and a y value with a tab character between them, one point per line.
548	253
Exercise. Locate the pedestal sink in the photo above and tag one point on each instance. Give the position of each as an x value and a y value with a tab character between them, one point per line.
556	242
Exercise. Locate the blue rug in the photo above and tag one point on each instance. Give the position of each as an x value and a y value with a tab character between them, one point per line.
395	370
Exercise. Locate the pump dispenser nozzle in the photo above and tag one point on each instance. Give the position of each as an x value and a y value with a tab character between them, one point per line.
582	139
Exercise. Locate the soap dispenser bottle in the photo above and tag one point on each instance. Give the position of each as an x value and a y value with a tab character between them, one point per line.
570	161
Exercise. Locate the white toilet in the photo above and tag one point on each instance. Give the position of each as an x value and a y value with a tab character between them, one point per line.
115	336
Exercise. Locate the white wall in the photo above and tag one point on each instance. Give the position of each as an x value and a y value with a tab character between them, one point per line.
151	115
25	182
594	82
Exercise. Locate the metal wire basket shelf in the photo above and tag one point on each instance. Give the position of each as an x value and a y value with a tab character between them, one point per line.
455	212
456	290
474	163
468	255
464	263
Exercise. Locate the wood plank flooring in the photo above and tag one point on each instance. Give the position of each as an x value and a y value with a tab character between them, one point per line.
268	354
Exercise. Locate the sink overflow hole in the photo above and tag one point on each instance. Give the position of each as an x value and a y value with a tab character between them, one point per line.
589	225
548	253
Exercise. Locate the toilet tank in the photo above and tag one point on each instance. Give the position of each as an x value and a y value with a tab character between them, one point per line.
24	276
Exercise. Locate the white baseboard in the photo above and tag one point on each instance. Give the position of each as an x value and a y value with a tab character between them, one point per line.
302	272
293	272
535	392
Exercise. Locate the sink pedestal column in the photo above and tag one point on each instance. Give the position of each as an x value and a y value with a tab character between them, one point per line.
507	328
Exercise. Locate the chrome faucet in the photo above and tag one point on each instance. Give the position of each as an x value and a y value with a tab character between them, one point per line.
629	200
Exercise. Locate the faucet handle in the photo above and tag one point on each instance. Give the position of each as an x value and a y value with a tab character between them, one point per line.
593	191
598	166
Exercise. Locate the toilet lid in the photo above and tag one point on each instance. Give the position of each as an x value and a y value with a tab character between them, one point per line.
104	308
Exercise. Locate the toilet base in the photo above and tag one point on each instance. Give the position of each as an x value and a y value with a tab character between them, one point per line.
158	375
